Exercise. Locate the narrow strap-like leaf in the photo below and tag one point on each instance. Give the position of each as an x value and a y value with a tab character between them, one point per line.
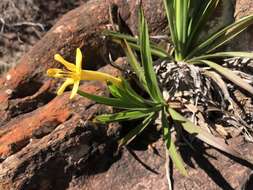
202	134
133	43
125	115
121	36
176	158
201	12
115	102
170	12
127	94
219	38
155	50
133	95
230	75
222	54
134	63
114	91
147	63
124	95
136	131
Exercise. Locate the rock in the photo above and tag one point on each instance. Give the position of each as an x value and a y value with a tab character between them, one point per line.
244	41
23	88
56	138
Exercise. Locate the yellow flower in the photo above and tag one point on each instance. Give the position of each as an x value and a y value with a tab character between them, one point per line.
74	74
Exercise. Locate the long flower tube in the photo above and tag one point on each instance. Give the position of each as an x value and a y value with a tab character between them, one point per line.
74	74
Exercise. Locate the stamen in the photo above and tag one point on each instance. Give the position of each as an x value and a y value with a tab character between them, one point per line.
53	72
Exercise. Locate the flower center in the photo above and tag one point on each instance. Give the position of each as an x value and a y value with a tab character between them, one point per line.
59	73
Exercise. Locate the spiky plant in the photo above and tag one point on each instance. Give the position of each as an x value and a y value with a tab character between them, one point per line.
177	72
192	74
194	69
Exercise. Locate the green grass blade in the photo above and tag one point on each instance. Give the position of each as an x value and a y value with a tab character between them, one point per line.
155	51
230	75
219	38
115	102
125	115
186	10
219	42
124	96
127	94
131	93
114	91
223	54
170	12
200	16
202	134
117	35
147	63
134	63
179	20
136	131
200	12
176	158
133	43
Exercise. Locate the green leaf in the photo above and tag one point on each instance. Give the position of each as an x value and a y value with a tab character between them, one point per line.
127	94
114	91
136	131
222	54
155	50
147	63
179	20
230	75
134	64
121	36
170	12
202	134
115	102
186	19
177	14
125	115
132	94
123	95
201	11
176	158
219	38
133	43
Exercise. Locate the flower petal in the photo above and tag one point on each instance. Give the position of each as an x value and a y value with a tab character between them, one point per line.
74	89
100	76
79	58
70	66
67	82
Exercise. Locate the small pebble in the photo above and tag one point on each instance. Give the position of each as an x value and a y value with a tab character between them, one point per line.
8	77
8	91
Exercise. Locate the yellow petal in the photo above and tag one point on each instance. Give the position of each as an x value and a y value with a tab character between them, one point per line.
70	66
100	76
74	89
79	58
64	86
